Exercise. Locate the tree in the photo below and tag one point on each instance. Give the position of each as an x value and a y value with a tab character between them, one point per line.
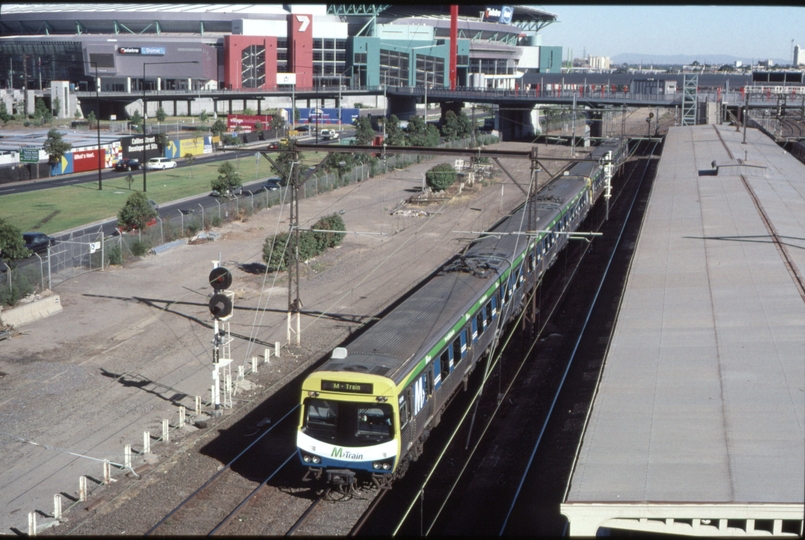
364	134
91	118
190	158
55	147
203	117
136	119
162	140
277	123
440	177
450	126
137	212
12	245
4	116
420	134
218	127
161	115
39	108
465	127
395	136
56	107
228	178
248	111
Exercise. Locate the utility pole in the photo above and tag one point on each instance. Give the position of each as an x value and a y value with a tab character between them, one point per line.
294	303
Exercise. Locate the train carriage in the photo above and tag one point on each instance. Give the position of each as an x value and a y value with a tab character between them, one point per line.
369	409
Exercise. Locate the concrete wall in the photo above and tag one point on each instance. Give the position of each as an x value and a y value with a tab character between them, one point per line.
30	312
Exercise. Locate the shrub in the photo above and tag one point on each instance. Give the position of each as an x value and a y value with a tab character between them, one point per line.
115	255
20	289
140	248
216	221
275	251
440	177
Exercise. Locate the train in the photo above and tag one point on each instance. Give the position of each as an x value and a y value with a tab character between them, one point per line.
367	411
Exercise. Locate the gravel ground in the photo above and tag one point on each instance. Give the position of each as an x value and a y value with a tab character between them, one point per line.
133	343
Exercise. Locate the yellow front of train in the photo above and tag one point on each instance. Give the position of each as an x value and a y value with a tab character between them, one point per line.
349	426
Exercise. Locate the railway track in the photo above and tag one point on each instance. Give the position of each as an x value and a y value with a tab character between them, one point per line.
482	466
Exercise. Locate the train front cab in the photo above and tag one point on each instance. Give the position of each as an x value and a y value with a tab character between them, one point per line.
348	427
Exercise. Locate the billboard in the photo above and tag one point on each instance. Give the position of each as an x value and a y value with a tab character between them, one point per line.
499	14
87	160
246	122
312	115
132	147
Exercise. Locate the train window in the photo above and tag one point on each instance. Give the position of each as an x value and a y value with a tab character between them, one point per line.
374	422
444	363
479	322
457	356
321	415
405	414
488	313
475	329
531	264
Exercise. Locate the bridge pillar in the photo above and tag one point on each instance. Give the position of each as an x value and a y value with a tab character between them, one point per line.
595	118
515	121
403	106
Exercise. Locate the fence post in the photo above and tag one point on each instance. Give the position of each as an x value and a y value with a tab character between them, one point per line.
82	488
277	349
198	405
107	471
267	355
166	432
146	442
182	413
127	456
241	372
254	364
31	523
57	511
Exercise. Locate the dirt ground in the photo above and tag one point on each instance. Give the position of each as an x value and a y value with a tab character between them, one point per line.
133	343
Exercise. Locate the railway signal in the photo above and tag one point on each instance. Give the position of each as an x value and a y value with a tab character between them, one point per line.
221	307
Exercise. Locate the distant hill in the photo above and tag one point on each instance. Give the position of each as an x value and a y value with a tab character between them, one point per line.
687	59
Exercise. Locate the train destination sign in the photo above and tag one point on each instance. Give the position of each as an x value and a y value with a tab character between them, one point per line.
353	388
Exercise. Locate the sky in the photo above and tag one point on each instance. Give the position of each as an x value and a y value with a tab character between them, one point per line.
751	32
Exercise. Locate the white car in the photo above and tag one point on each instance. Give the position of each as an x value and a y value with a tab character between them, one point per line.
160	163
329	134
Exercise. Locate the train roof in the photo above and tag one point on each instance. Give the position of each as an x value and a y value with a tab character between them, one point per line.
415	327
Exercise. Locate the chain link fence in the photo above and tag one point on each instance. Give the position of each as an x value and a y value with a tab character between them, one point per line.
89	252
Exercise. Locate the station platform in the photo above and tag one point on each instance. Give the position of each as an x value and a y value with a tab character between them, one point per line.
698	424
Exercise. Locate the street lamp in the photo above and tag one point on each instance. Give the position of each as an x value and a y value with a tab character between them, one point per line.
145	111
97	120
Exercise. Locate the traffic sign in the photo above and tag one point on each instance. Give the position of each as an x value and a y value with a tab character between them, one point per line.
29	154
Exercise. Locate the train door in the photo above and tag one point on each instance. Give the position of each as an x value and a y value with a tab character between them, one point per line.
406	420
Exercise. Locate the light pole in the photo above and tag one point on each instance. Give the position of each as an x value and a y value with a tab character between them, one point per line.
145	113
98	119
340	75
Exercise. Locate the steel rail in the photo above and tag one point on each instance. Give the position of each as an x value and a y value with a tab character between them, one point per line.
304	516
245	501
218	474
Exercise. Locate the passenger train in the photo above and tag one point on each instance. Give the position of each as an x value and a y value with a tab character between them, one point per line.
367	411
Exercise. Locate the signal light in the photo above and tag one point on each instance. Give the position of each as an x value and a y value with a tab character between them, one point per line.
220	306
220	278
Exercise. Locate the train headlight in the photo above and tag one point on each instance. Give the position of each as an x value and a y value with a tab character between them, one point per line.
384	465
316	459
306	458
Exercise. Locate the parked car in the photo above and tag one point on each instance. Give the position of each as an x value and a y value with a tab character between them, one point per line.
327	134
127	164
303	127
228	193
273	183
38	242
160	163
